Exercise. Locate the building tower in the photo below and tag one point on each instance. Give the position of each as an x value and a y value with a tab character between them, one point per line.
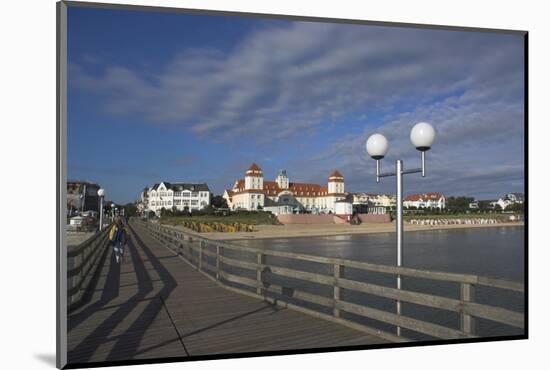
254	178
335	183
282	179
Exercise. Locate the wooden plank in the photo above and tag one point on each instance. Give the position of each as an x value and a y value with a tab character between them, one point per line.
501	284
423	299
301	295
467	322
302	275
238	263
497	314
434	330
209	253
238	279
260	261
338	273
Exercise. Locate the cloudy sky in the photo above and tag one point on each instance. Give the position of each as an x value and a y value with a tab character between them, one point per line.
177	97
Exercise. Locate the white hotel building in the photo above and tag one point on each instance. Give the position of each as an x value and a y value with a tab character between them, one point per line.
282	196
179	195
427	200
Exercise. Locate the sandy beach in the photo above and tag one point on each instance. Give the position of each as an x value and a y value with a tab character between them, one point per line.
302	230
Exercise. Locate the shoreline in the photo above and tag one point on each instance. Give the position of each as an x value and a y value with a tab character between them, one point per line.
321	230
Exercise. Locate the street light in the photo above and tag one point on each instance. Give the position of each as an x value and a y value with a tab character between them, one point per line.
101	194
422	137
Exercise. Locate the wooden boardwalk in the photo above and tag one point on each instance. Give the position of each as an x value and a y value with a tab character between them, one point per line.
156	305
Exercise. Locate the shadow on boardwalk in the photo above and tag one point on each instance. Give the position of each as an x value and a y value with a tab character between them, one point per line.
156	305
127	344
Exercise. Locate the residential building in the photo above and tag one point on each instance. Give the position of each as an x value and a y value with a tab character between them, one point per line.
363	198
82	196
427	200
283	196
176	196
509	199
384	200
474	205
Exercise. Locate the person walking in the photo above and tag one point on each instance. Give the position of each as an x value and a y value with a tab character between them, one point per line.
118	236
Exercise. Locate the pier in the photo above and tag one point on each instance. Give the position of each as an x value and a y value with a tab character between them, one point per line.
181	295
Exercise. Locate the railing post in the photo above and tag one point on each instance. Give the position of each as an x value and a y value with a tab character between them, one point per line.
467	292
338	273
218	251
260	261
200	255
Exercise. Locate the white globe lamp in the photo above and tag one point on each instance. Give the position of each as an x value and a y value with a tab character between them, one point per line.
101	192
377	146
422	136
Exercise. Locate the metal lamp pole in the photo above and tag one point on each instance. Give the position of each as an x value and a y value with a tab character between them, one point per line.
101	194
422	137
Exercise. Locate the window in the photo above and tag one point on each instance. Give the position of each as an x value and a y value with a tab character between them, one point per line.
194	194
169	203
177	194
186	194
194	202
177	202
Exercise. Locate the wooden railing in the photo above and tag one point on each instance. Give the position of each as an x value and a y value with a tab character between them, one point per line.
82	262
208	257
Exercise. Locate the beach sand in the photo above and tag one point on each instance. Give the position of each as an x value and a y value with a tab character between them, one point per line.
302	230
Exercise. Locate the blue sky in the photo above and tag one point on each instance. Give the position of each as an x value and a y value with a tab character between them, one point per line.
197	98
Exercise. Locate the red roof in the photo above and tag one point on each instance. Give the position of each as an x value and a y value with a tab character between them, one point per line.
335	173
413	197
426	196
254	167
299	189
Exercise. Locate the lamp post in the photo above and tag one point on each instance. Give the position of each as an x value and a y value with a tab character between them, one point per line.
101	194
422	137
113	212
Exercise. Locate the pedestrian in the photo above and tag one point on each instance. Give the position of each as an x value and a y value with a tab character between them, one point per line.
118	236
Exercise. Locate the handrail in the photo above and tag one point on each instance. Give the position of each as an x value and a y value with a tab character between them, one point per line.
394	270
84	258
196	247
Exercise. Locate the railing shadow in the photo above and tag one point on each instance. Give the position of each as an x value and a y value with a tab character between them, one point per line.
75	319
154	307
88	346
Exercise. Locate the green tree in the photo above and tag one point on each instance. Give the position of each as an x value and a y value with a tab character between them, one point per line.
130	209
485	205
516	207
219	202
459	204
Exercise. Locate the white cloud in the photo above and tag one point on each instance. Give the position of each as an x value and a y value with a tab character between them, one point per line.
280	81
